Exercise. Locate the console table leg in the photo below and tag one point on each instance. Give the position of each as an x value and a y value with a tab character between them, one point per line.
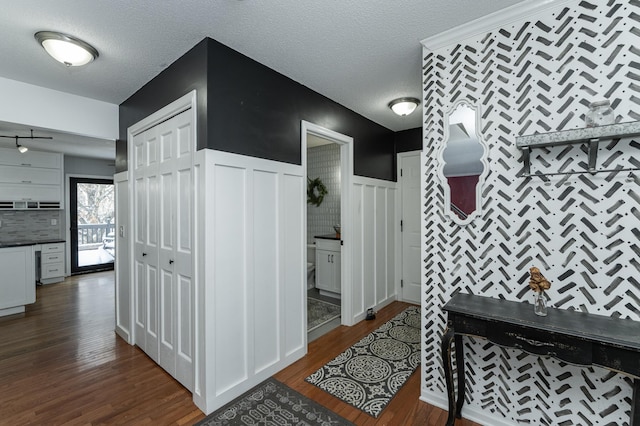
447	338
635	403
460	370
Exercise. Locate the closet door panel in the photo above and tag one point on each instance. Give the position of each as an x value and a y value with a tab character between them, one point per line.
139	233
151	338
167	321
140	303
184	339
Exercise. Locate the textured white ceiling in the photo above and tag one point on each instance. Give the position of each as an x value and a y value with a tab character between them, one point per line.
361	54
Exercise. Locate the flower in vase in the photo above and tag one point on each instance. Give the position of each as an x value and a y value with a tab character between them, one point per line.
538	282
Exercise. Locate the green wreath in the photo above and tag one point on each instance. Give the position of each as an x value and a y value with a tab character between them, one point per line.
315	191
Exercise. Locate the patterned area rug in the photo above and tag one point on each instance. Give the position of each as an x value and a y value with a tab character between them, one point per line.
273	403
369	373
320	313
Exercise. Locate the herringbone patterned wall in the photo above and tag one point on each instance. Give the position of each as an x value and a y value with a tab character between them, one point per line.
582	230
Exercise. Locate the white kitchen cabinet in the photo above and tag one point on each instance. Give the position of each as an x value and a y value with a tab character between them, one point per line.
29	175
18	283
45	160
30	192
162	258
328	266
30	180
52	263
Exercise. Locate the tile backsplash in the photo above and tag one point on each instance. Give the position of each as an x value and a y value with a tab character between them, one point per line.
19	225
324	162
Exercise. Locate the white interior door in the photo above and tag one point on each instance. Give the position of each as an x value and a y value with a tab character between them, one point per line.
162	157
176	247
409	165
166	258
146	241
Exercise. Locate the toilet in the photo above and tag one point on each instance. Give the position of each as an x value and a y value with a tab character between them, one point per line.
311	266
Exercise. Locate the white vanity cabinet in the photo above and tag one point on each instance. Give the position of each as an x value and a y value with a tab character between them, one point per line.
52	263
17	286
328	266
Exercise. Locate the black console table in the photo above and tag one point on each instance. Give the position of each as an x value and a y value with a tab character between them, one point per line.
573	337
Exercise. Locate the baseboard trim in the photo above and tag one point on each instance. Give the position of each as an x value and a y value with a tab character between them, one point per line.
124	334
361	316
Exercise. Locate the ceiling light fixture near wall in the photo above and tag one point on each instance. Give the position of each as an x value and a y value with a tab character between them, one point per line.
404	106
21	148
64	48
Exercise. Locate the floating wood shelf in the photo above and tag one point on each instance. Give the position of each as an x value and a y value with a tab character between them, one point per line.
590	135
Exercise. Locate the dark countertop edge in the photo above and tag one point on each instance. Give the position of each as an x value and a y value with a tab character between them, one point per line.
28	243
327	237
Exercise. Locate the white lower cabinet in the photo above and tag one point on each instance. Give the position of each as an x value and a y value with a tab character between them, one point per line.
328	266
52	263
18	283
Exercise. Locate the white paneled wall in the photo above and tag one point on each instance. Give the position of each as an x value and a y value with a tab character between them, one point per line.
374	240
251	278
123	281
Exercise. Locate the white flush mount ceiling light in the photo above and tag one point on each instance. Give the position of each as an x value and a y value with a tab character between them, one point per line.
64	48
404	106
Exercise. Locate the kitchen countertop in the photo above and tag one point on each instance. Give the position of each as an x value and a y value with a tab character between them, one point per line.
5	244
327	237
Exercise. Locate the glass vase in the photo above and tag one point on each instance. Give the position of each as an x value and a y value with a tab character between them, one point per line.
599	114
540	304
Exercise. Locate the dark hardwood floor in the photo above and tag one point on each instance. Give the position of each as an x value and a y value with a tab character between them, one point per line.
62	363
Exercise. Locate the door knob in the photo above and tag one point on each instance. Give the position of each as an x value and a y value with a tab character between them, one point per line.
170	261
144	254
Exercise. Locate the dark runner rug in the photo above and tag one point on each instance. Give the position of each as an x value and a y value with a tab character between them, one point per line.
273	403
320	312
369	373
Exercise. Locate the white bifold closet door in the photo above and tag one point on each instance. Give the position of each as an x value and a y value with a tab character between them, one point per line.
162	159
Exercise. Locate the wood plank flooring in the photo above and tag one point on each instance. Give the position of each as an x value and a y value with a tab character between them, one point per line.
62	363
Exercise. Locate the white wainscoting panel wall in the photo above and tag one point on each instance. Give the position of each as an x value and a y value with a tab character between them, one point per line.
537	75
251	278
374	244
122	262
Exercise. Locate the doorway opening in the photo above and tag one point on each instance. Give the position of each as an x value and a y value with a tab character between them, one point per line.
327	159
92	224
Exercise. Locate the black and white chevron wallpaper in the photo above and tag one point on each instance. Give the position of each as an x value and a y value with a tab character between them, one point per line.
581	230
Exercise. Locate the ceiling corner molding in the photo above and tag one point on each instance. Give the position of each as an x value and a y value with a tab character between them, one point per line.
523	10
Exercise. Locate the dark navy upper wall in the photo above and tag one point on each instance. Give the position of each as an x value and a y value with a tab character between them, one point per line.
188	73
409	140
256	111
247	108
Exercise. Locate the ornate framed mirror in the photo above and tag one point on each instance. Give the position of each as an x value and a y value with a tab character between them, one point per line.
462	163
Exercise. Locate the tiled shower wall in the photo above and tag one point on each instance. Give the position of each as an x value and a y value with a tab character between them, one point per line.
324	162
535	76
19	225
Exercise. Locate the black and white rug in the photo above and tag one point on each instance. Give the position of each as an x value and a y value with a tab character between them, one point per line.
369	373
320	313
273	403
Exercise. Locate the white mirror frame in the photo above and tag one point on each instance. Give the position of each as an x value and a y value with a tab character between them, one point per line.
441	163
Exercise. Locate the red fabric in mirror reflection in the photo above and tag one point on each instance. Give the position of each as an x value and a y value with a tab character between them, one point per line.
463	192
